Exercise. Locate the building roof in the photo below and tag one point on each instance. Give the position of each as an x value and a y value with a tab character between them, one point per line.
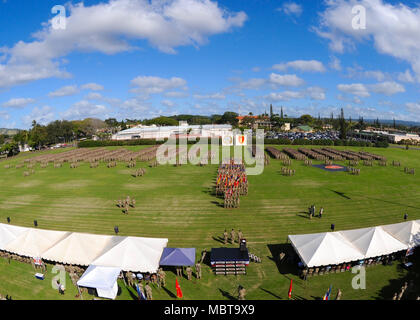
139	130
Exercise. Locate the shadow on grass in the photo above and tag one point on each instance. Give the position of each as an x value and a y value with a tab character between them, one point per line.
269	292
341	194
287	266
219	239
170	293
227	295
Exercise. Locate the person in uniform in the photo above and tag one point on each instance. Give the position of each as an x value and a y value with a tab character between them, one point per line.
149	294
241	293
338	295
240	236
189	272
225	236
198	270
162	277
179	271
232	236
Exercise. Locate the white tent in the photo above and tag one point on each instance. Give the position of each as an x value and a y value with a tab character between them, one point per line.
9	233
323	249
80	248
34	242
134	254
406	232
373	242
103	279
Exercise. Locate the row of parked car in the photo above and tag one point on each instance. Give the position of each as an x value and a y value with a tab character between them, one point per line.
331	135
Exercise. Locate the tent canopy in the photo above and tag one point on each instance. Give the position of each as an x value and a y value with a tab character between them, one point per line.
103	279
134	254
178	257
323	249
81	248
34	242
8	233
407	232
373	242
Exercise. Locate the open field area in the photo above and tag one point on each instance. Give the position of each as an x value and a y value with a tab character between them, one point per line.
178	203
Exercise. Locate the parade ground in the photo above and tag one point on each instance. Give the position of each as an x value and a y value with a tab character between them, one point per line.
178	203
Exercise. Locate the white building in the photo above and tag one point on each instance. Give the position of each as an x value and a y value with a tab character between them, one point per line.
207	131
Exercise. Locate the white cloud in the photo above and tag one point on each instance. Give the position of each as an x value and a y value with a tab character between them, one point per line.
316	93
256	69
358	72
217	96
168	103
252	84
285	95
356	89
176	94
84	109
288	80
18	103
153	85
42	116
94	96
393	28
92	86
4	115
301	65
107	28
64	91
335	64
406	76
387	88
413	108
291	8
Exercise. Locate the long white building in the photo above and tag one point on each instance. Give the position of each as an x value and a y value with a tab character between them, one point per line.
206	131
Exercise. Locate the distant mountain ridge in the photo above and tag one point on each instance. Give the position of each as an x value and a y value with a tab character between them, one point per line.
397	122
9	132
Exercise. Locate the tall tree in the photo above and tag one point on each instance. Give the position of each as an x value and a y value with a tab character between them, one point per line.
281	113
343	126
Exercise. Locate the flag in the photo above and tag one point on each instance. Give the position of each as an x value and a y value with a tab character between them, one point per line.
140	293
327	295
178	289
290	288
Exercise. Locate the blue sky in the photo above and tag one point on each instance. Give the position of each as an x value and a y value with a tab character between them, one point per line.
140	59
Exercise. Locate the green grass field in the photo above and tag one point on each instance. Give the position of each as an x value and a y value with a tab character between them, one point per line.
177	203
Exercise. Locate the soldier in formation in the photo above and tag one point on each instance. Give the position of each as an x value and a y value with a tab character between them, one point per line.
241	293
189	273
232	182
198	270
232	236
225	237
149	294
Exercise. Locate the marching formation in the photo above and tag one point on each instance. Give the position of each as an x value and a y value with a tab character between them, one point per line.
126	204
232	182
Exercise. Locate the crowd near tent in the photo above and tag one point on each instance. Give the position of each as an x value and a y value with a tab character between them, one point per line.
127	253
331	248
178	257
103	279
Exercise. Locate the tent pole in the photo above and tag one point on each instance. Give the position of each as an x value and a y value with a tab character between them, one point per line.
80	292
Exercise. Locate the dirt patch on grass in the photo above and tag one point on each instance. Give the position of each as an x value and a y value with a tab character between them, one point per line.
307	183
72	184
18	201
29	184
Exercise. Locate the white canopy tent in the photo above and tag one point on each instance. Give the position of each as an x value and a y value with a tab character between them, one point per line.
9	233
323	249
373	242
103	279
81	248
134	254
34	242
406	232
